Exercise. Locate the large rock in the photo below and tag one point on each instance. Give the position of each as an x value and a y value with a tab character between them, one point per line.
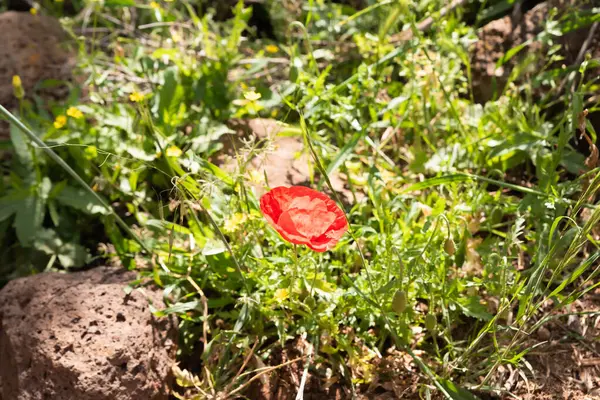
80	336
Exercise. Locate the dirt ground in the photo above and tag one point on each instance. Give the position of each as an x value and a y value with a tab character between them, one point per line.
567	364
563	364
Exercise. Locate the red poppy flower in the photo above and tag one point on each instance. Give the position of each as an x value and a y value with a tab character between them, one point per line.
304	216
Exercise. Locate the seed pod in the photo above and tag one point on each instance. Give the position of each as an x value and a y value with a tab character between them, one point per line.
399	302
430	322
449	247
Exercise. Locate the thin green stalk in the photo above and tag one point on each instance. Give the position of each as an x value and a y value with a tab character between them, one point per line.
364	11
296	268
313	61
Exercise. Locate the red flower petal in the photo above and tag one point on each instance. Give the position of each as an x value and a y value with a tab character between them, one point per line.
304	216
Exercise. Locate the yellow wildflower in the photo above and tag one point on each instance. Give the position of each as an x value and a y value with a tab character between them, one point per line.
281	294
33	11
175	36
272	48
233	223
154	5
252	96
173	151
60	121
74	112
256	177
136	97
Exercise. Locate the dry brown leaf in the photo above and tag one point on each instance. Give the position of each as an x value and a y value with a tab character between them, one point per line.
592	160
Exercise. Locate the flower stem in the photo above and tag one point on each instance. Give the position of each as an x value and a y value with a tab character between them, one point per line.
296	268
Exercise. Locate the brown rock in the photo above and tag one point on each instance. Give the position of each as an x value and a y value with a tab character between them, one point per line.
286	162
32	47
543	333
79	336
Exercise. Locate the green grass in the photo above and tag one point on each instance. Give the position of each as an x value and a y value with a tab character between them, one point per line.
477	214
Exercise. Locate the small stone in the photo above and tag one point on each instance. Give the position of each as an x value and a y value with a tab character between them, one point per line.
543	333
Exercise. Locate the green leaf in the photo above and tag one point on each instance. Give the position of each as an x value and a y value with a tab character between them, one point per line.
242	318
72	255
511	53
30	214
166	226
179	308
471	307
346	152
6	210
119	3
213	247
393	104
496	10
11	203
69	254
213	169
573	161
81	200
394	16
170	96
550	75
57	188
441	180
21	146
241	16
584	266
53	212
456	392
579	19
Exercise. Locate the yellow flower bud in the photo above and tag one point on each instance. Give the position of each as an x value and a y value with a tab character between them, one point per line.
18	90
